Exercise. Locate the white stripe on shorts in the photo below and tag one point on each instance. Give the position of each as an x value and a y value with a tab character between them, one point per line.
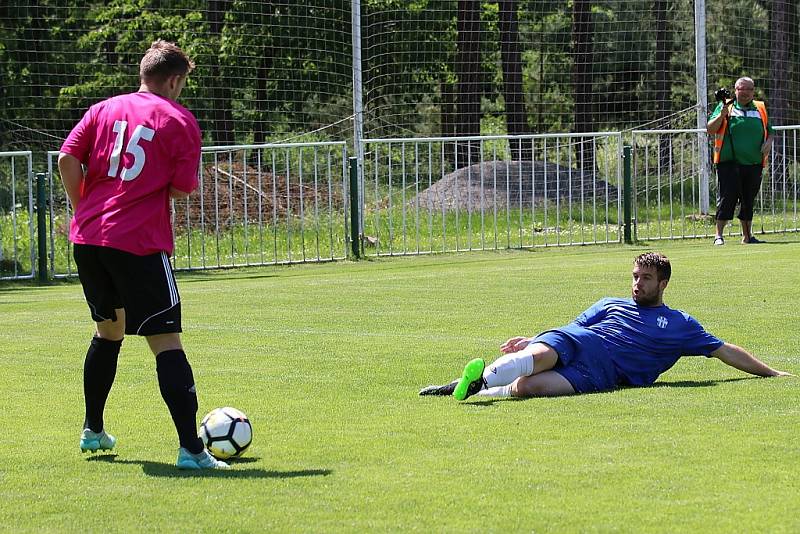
173	291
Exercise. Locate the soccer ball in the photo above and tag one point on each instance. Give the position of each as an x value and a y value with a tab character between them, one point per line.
226	432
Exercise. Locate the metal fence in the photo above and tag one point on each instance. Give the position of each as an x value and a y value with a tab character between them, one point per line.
289	203
17	218
667	172
255	205
778	197
491	192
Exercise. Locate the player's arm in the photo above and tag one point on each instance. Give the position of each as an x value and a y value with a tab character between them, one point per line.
187	160
515	344
594	314
71	176
589	317
177	193
740	359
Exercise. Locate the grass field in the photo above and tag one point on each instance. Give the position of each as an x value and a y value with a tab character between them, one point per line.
327	361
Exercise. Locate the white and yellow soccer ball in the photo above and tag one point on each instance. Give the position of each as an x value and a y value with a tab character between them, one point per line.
226	432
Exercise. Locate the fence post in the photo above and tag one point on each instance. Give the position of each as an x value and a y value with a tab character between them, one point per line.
355	235
626	193
41	225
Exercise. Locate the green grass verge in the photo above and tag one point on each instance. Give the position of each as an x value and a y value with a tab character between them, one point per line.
327	361
400	230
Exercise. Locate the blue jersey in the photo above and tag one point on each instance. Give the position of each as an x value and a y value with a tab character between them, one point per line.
642	341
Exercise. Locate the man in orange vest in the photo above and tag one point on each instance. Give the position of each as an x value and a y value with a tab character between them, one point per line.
742	140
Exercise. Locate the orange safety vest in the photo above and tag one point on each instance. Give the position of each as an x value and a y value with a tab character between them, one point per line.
719	137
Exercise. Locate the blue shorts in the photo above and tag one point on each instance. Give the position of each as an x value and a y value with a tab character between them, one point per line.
583	359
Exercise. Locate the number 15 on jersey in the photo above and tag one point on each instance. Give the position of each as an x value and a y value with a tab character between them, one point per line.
134	148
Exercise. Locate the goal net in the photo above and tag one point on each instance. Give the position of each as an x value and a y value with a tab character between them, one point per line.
283	70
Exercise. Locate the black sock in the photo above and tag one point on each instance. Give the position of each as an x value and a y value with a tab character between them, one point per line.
99	370
176	382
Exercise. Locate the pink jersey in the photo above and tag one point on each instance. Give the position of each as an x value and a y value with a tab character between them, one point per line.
135	147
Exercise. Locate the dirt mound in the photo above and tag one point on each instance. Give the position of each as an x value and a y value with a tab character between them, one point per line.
231	192
513	184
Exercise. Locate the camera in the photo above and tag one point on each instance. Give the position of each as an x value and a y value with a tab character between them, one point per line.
722	94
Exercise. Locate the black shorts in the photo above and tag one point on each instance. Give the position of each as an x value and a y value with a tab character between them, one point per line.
737	183
143	285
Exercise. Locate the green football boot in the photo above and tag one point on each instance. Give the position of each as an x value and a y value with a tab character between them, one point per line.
96	441
471	380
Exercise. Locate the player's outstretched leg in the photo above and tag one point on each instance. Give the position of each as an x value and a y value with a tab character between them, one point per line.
471	380
441	391
96	441
201	460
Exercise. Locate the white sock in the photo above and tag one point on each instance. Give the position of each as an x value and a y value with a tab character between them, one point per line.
499	391
508	368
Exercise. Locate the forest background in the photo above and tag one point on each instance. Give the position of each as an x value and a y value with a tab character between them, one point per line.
283	70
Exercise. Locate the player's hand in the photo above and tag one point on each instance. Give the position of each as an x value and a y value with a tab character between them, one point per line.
514	344
782	373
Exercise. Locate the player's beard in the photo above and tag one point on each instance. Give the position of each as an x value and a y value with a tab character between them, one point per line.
646	300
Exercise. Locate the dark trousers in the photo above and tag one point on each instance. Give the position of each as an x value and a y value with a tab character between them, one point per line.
737	183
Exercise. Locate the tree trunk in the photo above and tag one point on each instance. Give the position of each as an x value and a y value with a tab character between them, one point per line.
36	56
663	84
261	127
223	132
779	66
582	75
447	114
516	118
794	59
779	79
468	87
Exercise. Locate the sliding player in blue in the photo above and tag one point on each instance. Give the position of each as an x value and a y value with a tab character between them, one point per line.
616	342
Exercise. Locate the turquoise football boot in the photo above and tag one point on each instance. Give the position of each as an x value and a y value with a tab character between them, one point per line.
96	441
201	460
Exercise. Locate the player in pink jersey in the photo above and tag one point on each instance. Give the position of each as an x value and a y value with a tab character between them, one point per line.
120	166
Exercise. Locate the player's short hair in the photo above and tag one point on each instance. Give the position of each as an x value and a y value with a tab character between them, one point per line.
162	60
657	260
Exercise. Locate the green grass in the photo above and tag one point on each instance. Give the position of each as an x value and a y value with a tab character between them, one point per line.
327	361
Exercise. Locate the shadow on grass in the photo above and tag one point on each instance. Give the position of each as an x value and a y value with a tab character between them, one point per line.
698	383
490	402
223	273
9	286
768	242
168	470
675	384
